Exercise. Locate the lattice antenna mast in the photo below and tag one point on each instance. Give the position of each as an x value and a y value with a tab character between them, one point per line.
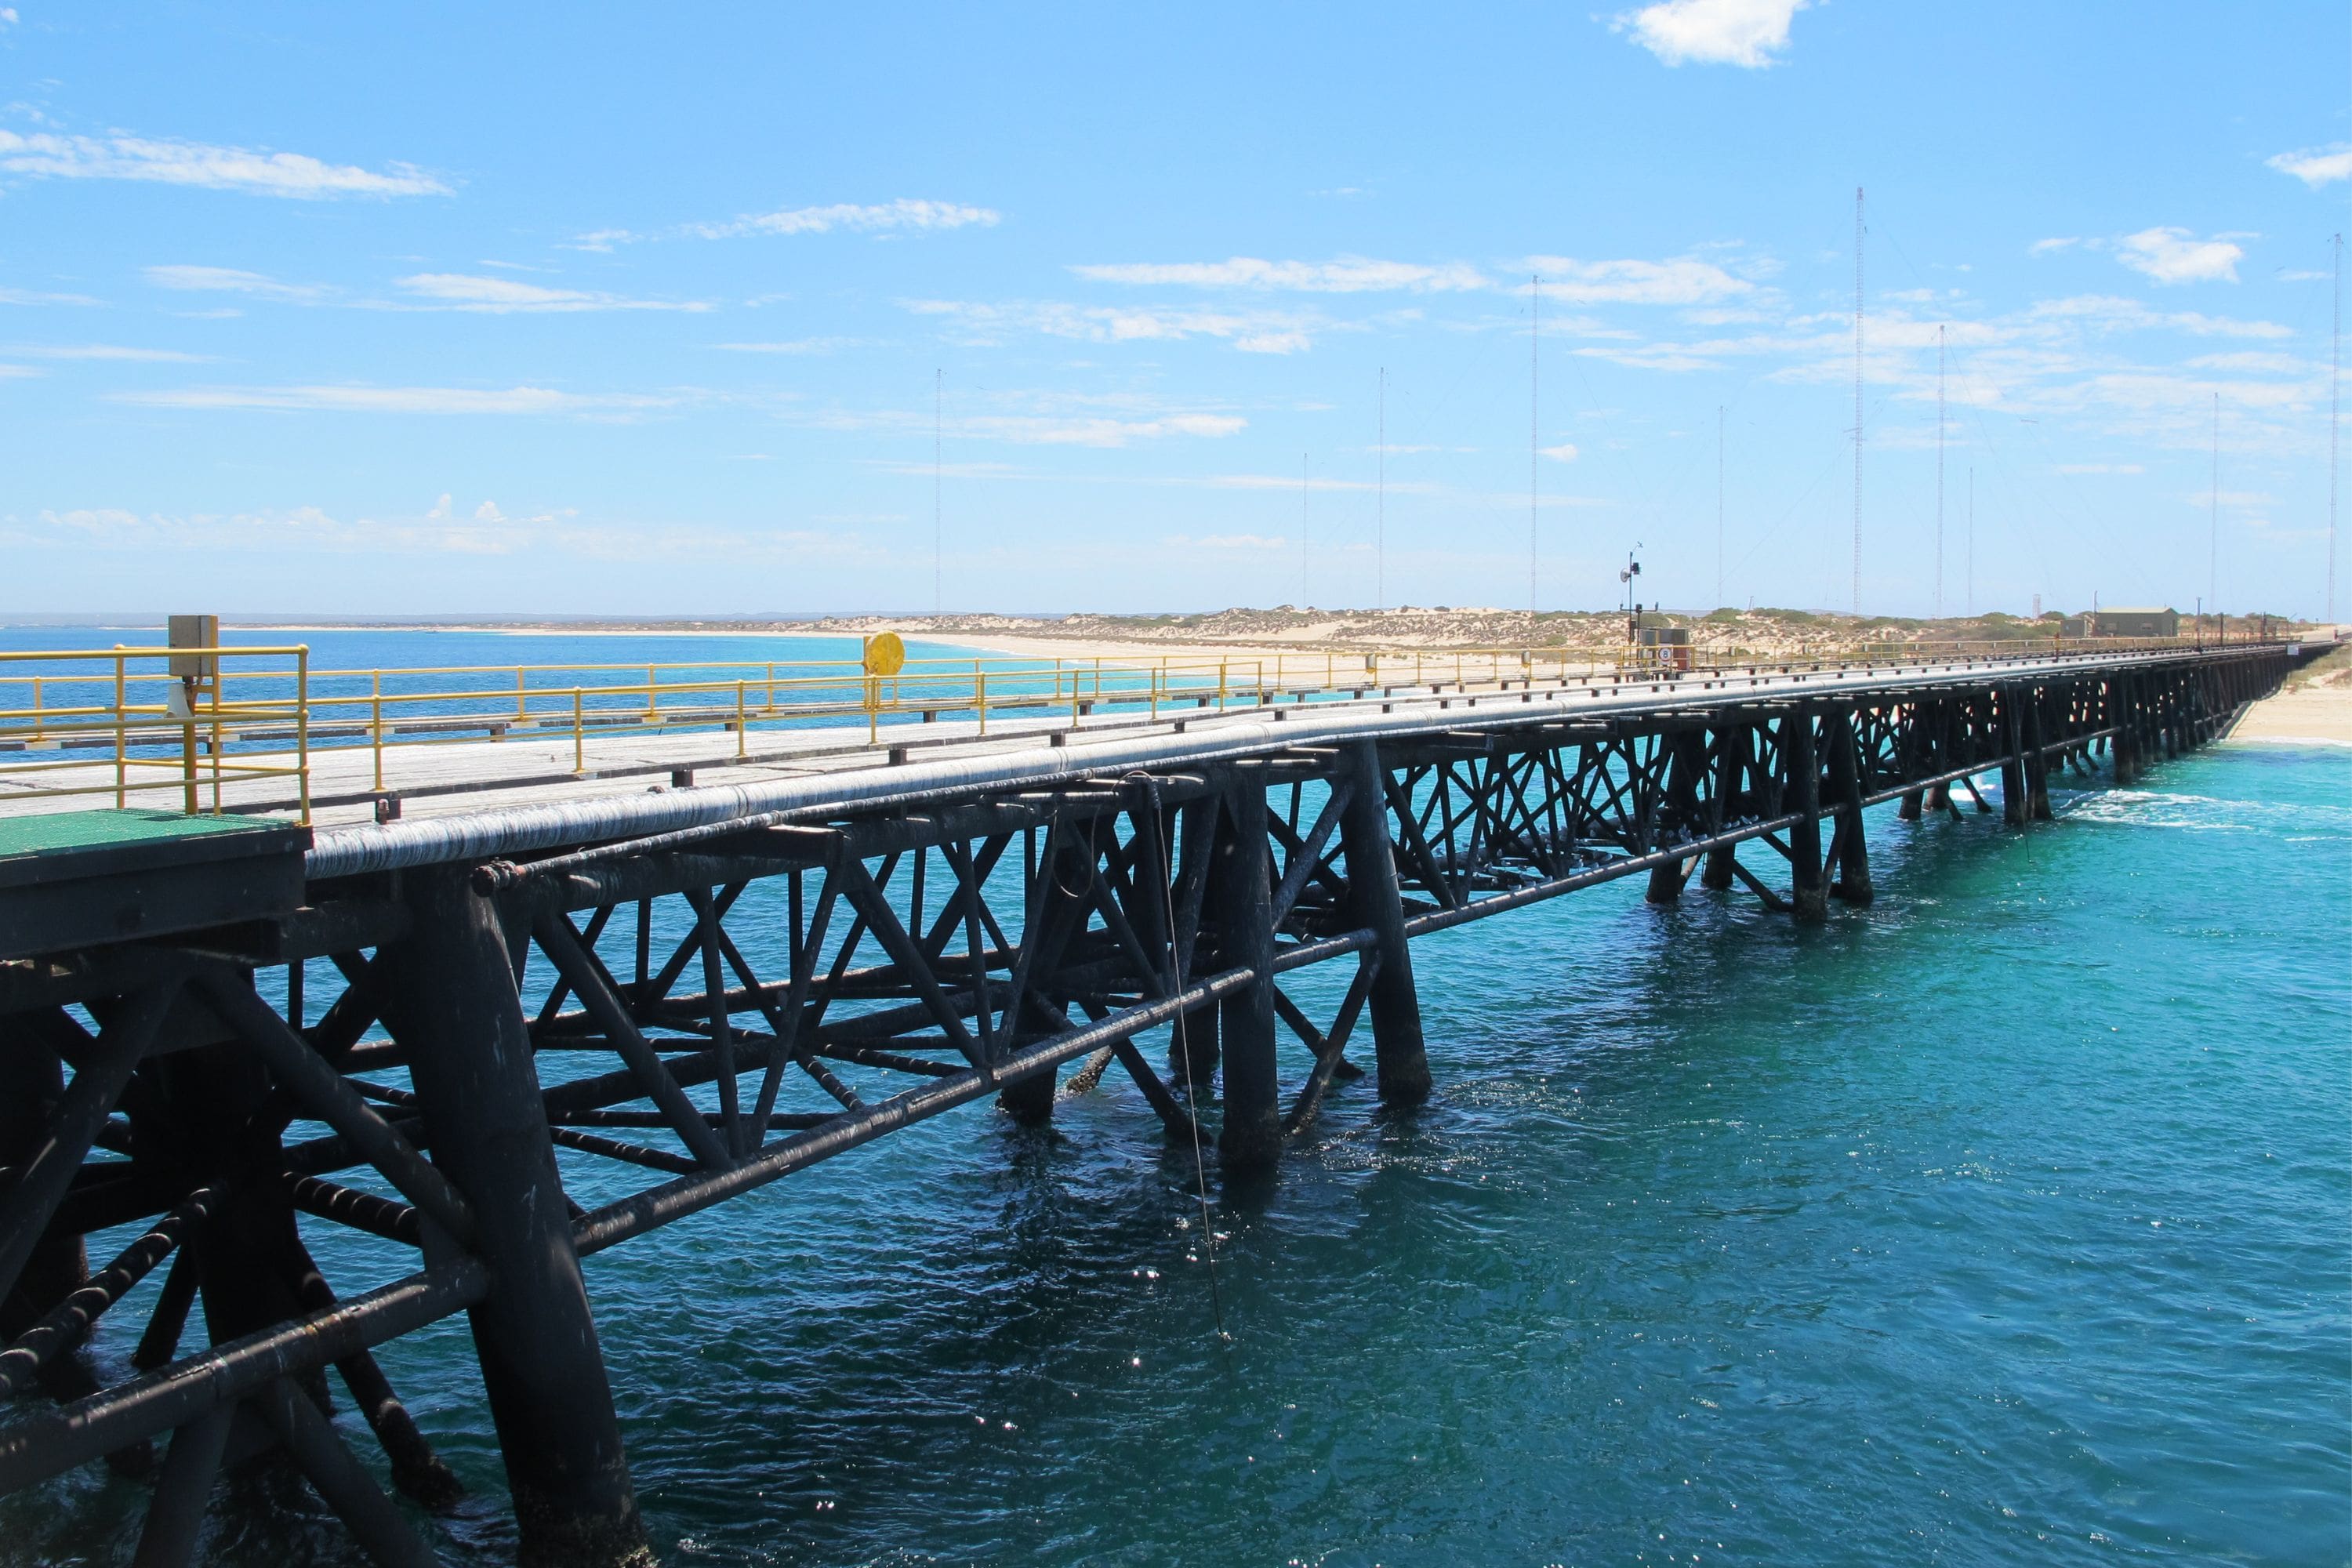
938	533
2214	536
1719	599
1857	400
1535	308
2335	363
1302	531
1971	603
1939	473
1381	502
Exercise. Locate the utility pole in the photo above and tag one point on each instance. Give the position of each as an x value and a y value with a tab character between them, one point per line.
1939	473
1857	400
939	535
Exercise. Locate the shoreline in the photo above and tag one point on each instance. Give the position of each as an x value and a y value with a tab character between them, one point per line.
2314	715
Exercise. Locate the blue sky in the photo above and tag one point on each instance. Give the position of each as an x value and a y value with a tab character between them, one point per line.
655	309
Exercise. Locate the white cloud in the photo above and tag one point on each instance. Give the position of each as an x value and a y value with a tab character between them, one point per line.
2110	311
110	351
2177	256
794	346
1747	33
399	399
2253	363
903	216
2101	469
230	280
17	371
33	297
486	513
1256	331
1037	430
1050	420
2316	166
2052	246
1347	275
1226	542
1683	281
1563	453
121	156
502	296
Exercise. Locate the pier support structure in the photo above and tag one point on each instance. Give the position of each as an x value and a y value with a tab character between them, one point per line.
936	951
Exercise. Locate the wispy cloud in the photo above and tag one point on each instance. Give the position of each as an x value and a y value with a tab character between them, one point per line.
1253	331
404	400
444	530
119	155
1563	453
1050	420
2111	312
1253	542
34	297
1750	33
1347	275
905	215
1683	281
2177	256
231	280
107	352
794	346
503	296
2316	166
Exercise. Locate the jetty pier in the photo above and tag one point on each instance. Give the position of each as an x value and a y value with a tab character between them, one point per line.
236	1018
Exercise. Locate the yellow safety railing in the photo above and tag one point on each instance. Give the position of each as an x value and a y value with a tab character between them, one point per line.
263	715
157	725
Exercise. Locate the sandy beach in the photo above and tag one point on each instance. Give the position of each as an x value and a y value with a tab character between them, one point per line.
2320	715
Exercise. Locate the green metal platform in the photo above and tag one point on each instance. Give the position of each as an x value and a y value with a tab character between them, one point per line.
71	878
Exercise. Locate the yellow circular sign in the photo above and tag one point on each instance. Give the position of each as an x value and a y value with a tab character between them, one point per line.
885	655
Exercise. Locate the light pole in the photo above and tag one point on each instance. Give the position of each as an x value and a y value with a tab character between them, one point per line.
1631	569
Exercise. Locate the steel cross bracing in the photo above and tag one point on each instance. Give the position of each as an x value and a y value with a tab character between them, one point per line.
536	1056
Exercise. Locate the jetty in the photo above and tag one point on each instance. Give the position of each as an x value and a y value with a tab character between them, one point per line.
432	961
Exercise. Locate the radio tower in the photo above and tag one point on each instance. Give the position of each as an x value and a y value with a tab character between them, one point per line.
2335	359
939	396
1857	400
1535	307
1381	503
1719	599
1939	473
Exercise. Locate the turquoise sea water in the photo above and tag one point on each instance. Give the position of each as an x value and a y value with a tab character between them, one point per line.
2003	1222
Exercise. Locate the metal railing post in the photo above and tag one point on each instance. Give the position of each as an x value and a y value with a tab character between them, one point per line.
302	726
579	732
121	740
740	752
213	740
979	689
375	723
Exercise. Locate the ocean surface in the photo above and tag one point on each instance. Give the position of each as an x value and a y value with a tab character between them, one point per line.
2006	1221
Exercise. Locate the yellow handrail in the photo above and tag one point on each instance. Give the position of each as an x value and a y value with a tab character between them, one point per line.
265	711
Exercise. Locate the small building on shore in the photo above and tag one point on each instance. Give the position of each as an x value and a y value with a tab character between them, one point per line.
2123	621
